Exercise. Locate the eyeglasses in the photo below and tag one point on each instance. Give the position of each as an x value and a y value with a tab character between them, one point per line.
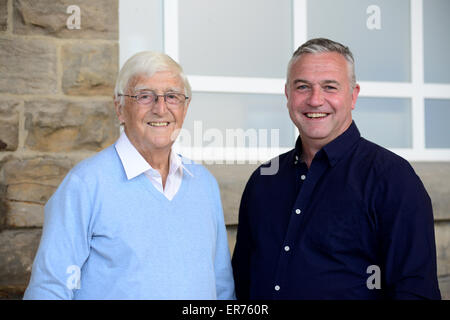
150	98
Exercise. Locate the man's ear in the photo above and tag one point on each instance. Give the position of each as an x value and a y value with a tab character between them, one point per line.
119	110
186	107
355	94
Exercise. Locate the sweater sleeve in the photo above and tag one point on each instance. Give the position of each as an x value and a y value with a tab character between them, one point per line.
65	242
222	262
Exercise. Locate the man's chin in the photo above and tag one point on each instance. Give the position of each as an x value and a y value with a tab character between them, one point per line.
159	142
316	134
162	145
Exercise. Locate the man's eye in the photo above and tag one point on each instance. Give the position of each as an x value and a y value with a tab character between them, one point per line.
330	88
302	87
145	96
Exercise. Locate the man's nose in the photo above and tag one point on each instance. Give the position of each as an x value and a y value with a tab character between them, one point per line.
159	106
316	97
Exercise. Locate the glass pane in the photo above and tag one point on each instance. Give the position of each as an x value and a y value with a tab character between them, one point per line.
436	24
247	119
437	117
141	27
250	38
376	31
385	121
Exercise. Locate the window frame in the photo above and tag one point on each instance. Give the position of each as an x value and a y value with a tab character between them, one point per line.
416	90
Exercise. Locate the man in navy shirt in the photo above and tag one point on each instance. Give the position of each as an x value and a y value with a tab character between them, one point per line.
342	218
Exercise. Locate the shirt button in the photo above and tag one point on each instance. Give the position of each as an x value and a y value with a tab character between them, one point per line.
303	177
298	211
286	248
277	288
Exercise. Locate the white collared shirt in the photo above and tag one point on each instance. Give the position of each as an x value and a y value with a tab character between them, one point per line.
135	164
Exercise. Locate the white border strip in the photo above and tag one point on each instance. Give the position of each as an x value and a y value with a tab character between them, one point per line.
386	89
254	155
423	155
229	154
300	22
417	71
236	84
170	9
437	91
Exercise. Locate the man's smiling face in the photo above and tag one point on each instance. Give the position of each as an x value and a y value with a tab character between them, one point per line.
320	96
152	128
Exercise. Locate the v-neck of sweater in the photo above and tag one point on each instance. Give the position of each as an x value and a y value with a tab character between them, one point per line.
150	188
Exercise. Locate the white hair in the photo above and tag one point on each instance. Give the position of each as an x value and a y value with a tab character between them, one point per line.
147	63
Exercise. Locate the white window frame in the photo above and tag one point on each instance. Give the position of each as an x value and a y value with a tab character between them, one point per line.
416	90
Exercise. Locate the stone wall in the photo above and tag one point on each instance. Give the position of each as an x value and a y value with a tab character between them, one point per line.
56	108
56	88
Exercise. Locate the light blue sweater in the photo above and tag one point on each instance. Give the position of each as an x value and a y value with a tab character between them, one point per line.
126	240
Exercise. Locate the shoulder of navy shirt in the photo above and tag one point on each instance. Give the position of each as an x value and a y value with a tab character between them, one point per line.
317	233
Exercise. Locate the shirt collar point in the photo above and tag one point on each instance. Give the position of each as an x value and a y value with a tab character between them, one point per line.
184	162
186	169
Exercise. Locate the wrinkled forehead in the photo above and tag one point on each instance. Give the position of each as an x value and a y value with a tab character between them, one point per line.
161	80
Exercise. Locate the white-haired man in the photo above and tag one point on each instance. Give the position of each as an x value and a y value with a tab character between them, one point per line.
137	221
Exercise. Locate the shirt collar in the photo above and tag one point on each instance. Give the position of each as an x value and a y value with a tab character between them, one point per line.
134	163
176	162
335	149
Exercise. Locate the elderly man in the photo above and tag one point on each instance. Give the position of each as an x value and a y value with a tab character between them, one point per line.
137	221
343	218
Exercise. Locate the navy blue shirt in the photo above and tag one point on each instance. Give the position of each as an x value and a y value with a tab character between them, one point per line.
358	224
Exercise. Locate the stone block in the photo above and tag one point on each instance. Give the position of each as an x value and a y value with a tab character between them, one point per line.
442	234
231	234
30	191
64	125
22	214
98	19
444	286
232	179
435	177
9	136
3	15
27	185
43	171
89	69
27	66
17	251
9	125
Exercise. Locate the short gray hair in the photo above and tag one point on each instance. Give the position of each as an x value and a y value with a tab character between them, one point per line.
147	63
322	45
